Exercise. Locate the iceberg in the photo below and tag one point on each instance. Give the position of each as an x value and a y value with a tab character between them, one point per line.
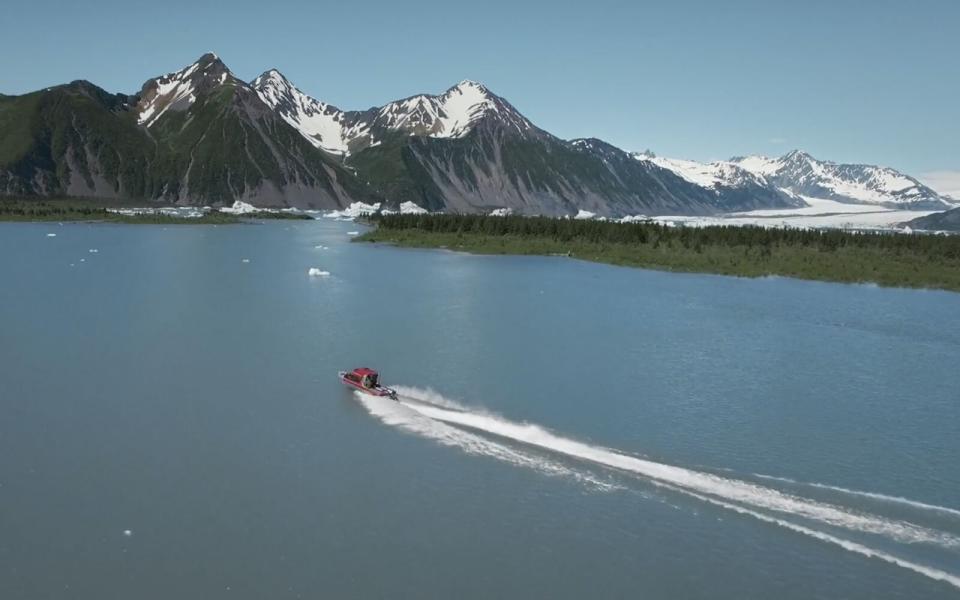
357	209
240	208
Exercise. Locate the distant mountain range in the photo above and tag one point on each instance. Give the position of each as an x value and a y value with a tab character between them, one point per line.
202	136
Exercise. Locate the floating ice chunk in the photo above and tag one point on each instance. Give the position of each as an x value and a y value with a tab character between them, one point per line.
410	208
93	251
635	219
246	260
315	272
51	235
83	260
357	209
128	532
584	214
501	212
320	247
239	208
353	233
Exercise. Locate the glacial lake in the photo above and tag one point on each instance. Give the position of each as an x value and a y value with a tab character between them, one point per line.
171	424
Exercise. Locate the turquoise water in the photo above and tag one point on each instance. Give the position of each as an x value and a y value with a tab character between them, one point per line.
172	426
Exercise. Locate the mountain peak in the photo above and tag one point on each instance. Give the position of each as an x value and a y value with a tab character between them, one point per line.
796	154
178	90
802	174
271	77
470	84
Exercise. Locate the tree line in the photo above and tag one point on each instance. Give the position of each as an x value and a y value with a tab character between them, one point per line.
658	234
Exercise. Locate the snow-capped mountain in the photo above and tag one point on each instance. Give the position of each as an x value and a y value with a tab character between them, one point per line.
201	135
452	114
178	91
728	181
861	184
324	125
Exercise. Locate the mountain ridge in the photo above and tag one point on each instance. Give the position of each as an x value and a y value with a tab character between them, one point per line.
200	135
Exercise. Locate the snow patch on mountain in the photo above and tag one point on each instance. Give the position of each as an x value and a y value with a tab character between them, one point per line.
452	114
706	175
461	107
803	174
171	89
324	125
179	90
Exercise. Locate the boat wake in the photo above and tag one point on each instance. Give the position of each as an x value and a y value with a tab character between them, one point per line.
427	413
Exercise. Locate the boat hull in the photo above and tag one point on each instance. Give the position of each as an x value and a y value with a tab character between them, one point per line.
379	391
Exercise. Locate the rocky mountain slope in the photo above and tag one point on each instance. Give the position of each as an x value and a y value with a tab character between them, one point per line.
470	150
948	220
196	136
200	135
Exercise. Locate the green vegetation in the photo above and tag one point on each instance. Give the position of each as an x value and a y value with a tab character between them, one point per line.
888	259
98	210
78	139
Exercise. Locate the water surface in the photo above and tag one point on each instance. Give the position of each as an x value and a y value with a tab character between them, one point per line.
567	429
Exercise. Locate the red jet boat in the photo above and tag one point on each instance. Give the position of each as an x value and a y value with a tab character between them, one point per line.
367	381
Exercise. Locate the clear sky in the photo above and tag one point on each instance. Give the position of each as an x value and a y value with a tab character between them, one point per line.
862	81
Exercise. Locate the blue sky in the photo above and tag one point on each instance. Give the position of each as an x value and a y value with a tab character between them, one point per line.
875	82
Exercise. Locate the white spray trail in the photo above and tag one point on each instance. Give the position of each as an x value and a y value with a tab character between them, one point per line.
729	489
930	572
408	419
428	413
872	495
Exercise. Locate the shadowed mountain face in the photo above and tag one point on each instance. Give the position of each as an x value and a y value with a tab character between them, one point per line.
942	221
202	136
197	136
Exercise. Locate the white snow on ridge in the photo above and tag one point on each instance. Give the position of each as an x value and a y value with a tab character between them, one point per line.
321	124
706	175
462	106
172	88
759	165
449	115
858	183
178	90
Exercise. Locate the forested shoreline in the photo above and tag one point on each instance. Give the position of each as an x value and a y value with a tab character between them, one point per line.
884	258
